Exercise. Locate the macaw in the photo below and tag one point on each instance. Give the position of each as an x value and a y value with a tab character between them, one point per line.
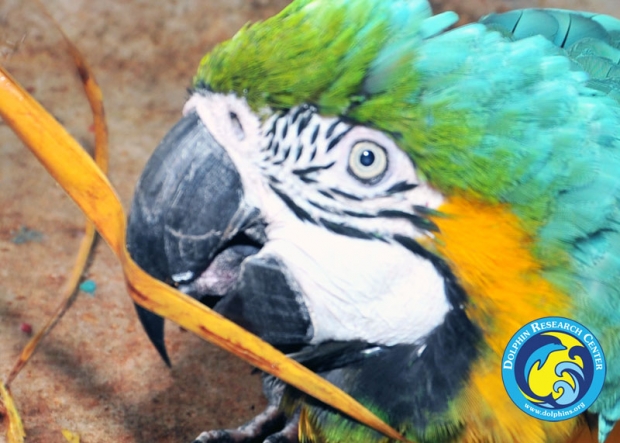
388	200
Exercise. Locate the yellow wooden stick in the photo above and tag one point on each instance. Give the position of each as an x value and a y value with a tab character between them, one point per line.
70	289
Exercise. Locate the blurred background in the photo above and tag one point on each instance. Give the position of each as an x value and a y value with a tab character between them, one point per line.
97	374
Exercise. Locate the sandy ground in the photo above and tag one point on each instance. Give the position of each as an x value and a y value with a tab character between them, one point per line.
97	374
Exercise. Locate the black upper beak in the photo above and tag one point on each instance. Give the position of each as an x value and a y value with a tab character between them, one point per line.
188	204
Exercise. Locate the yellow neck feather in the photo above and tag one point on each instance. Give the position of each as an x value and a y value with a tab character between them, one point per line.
490	254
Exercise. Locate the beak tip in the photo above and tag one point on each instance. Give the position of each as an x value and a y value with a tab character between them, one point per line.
154	326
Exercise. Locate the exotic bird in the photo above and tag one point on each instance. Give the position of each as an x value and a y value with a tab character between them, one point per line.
389	201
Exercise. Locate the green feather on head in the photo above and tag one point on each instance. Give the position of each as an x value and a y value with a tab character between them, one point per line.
337	55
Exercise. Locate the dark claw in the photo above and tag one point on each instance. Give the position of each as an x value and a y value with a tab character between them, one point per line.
257	430
217	437
263	425
287	435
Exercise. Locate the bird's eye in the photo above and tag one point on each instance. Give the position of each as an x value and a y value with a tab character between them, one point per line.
367	161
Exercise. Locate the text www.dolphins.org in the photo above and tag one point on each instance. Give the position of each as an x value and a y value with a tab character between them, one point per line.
555	414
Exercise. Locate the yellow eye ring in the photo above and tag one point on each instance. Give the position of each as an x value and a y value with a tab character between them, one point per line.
368	161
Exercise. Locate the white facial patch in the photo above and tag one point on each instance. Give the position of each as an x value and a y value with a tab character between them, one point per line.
333	230
359	289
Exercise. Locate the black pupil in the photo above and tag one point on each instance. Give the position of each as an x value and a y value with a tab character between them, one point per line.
367	158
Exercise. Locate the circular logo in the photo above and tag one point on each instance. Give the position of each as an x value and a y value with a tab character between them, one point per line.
553	368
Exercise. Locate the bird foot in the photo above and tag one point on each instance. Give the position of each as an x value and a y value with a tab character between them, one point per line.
270	426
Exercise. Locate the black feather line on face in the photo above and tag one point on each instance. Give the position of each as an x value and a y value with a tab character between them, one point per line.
311	169
275	147
334	141
331	129
315	134
320	206
272	130
300	110
308	180
401	187
424	210
347	231
416	220
313	155
345	195
300	150
285	129
326	194
287	151
358	214
303	123
300	213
